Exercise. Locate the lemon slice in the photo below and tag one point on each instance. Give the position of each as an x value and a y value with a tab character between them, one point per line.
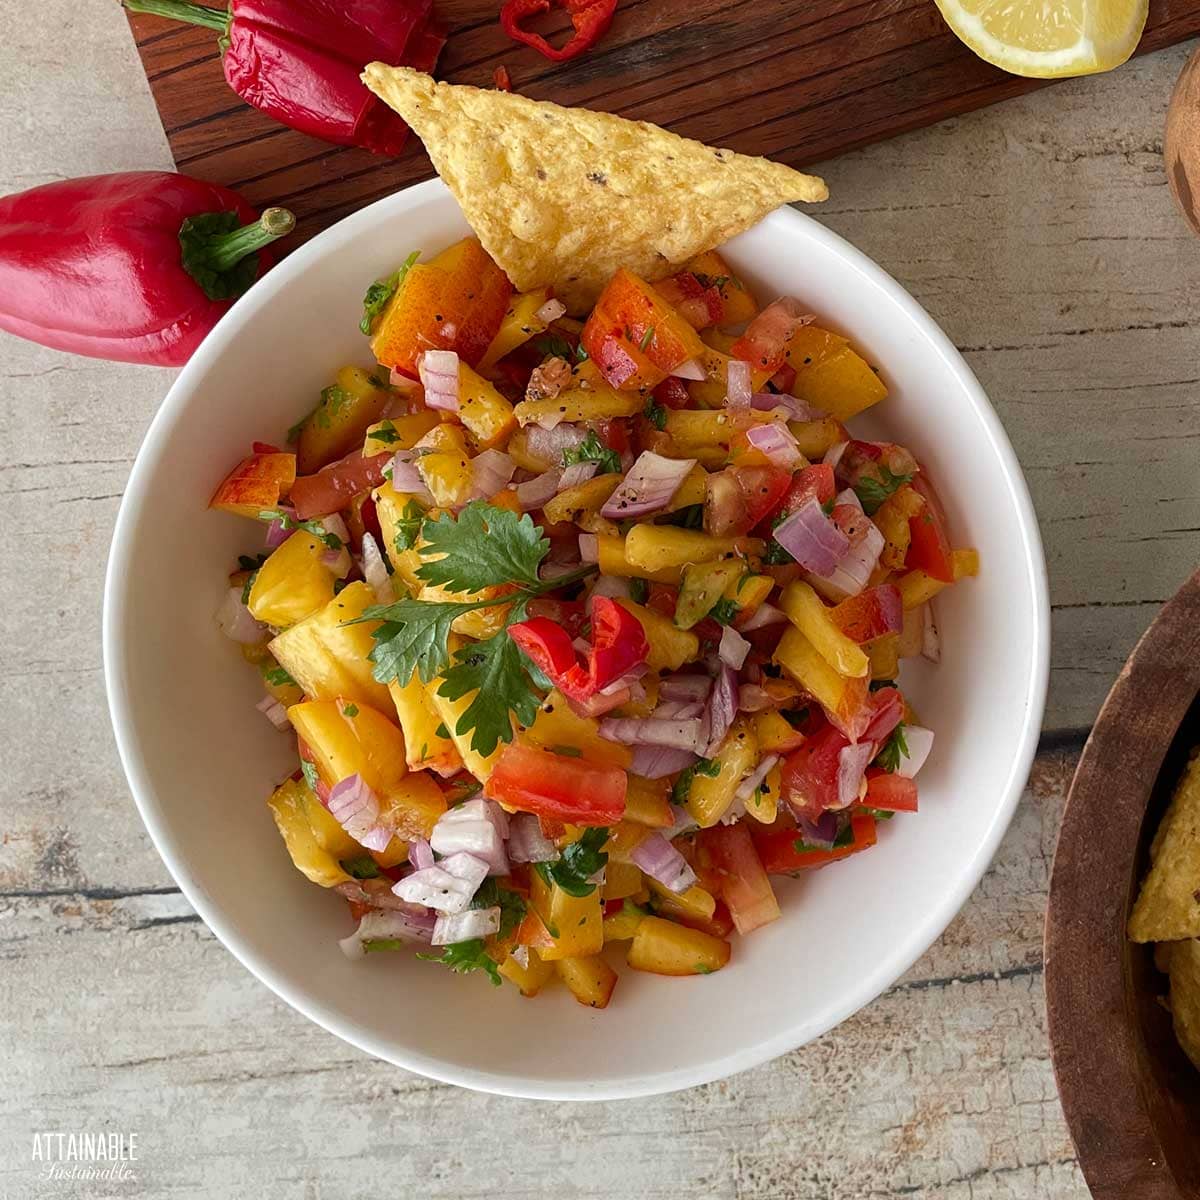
1048	39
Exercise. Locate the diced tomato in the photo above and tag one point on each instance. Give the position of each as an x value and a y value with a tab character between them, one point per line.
358	909
333	487
663	598
765	343
745	887
816	480
566	789
810	774
672	393
762	489
887	711
929	544
697	304
785	378
614	433
777	847
870	614
889	792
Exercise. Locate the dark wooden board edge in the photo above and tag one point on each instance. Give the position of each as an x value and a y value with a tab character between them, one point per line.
1122	1086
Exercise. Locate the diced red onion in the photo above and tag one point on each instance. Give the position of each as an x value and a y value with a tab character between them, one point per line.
852	574
722	708
625	681
402	383
821	833
919	742
752	698
600	703
235	622
738	389
931	640
848	496
678	710
375	571
764	615
753	781
438	370
777	443
656	762
692	369
549	443
852	764
612	586
490	471
339	560
475	828
576	474
521	956
354	806
663	863
649	487
812	539
406	478
589	548
733	648
379	837
833	456
682	821
646	731
448	887
462	927
526	842
276	534
377	893
420	854
550	311
274	711
540	490
685	687
392	925
555	570
794	407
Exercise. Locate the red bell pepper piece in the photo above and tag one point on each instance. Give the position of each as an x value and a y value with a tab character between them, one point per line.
890	793
929	543
551	785
299	61
501	79
777	847
618	642
591	19
135	267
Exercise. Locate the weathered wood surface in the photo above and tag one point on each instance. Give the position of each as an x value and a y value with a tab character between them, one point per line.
798	80
1040	234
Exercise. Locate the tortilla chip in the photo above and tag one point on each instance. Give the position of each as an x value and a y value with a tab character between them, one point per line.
1168	908
562	197
1185	997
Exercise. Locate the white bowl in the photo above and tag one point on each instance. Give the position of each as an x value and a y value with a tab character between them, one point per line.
201	761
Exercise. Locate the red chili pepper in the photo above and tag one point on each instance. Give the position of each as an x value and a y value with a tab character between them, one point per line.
299	61
136	267
591	19
500	78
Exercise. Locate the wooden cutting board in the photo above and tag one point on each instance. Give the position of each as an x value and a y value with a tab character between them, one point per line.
798	80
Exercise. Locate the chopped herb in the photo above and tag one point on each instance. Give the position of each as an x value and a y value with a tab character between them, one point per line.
441	731
592	449
251	564
873	492
878	813
553	346
656	414
888	758
639	590
362	867
294	432
247	584
690	516
310	774
510	903
465	957
724	611
716	281
372	945
706	766
829	505
349	710
380	381
776	555
567	751
387	434
647	338
333	400
703	969
581	355
408	526
277	676
845	837
381	291
287	522
577	863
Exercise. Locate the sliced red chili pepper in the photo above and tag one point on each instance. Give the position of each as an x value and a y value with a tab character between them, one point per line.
591	19
501	80
545	644
618	642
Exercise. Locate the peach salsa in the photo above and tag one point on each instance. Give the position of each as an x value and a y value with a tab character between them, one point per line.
585	629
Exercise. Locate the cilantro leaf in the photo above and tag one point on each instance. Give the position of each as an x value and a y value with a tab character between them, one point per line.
310	774
333	400
387	433
656	414
381	291
495	671
724	611
706	766
578	862
289	523
465	957
510	903
408	526
845	837
246	563
647	338
873	492
592	449
486	546
362	867
552	345
414	636
277	676
888	758
247	585
639	589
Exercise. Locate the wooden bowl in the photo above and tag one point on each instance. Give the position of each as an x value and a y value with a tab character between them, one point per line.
1131	1097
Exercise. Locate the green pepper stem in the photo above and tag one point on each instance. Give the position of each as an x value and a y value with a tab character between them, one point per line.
226	250
183	10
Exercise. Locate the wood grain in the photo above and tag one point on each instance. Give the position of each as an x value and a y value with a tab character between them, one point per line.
797	80
1130	1097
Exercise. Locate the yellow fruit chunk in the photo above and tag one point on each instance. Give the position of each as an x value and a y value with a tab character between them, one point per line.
292	583
427	748
807	611
313	838
669	949
519	324
590	980
486	414
575	923
670	647
1049	39
530	979
710	796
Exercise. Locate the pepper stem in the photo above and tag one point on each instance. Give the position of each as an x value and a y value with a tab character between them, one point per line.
225	250
183	10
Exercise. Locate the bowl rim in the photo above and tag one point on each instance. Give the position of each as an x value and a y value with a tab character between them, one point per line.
872	983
